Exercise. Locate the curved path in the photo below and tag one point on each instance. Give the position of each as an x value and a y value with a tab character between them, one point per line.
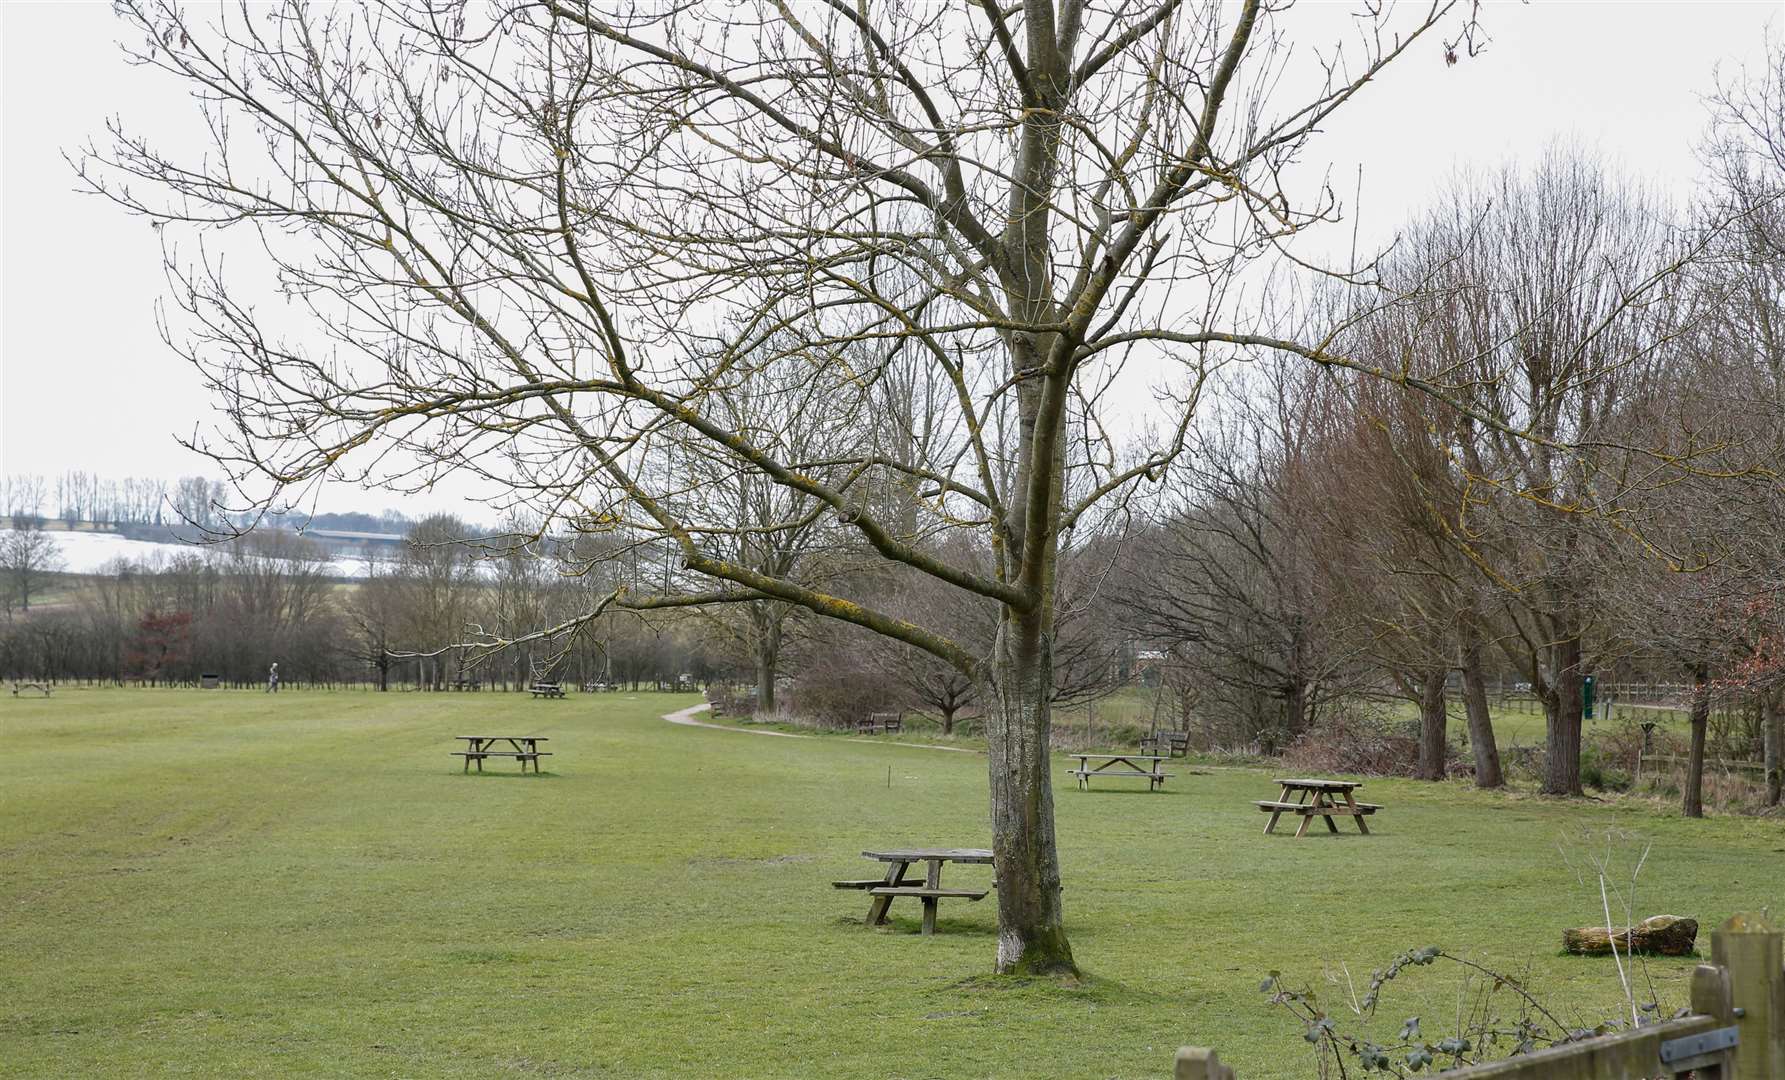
686	718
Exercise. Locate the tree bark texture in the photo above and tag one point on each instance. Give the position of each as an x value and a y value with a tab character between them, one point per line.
1488	773
1433	724
1031	928
1561	774
1771	728
1693	803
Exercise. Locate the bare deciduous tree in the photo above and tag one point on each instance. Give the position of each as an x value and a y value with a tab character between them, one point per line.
28	555
547	236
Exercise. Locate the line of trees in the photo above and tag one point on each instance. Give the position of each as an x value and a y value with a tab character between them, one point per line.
1592	486
413	620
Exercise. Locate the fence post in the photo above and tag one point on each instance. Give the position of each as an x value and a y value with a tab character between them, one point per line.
1199	1063
1753	952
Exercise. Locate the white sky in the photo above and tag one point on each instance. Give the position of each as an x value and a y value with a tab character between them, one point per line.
85	382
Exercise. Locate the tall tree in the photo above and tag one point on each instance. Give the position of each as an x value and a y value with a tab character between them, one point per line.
547	235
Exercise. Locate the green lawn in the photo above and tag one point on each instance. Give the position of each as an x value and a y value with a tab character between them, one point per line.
233	884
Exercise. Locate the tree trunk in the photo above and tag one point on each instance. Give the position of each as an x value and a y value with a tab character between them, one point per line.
1031	929
1561	774
1693	804
948	712
1475	704
766	641
1770	730
1434	719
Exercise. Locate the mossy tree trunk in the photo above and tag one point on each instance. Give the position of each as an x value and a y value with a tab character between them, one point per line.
1031	926
1488	773
1434	722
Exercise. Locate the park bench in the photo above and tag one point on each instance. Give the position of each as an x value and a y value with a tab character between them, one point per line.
1140	766
883	723
1169	743
43	688
523	748
546	689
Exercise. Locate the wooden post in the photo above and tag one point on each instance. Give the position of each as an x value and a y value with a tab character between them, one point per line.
1199	1063
1753	952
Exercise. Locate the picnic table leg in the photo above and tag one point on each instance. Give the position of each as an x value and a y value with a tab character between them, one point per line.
1271	825
932	880
1326	800
895	873
1307	816
1355	816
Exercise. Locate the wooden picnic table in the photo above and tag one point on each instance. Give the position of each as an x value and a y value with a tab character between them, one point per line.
523	748
1112	766
546	689
1317	799
895	884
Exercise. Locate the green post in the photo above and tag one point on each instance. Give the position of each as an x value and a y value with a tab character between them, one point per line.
1588	690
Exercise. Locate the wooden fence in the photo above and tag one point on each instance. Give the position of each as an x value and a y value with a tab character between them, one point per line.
1736	1029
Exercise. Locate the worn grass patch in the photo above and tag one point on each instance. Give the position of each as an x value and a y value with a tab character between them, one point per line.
235	884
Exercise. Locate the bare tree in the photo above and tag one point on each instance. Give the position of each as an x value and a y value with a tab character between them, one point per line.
28	555
546	236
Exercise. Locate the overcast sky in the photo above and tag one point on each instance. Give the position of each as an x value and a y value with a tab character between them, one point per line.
85	382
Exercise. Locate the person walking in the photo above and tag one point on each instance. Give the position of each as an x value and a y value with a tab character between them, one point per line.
273	678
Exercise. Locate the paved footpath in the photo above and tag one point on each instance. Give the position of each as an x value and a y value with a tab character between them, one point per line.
686	717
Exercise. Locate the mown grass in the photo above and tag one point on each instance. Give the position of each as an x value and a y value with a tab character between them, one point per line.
235	884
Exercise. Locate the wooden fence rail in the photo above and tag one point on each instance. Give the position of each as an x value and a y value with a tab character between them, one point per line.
1736	1030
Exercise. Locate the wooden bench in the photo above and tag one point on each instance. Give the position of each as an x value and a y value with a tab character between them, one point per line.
521	756
924	890
873	883
880	723
1309	808
1171	743
546	689
43	688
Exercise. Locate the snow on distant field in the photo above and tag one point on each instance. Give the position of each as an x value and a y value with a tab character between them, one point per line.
88	553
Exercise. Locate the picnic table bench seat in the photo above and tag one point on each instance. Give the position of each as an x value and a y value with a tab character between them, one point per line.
884	889
1270	806
873	883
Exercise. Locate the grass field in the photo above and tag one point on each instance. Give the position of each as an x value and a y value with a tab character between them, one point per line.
233	884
